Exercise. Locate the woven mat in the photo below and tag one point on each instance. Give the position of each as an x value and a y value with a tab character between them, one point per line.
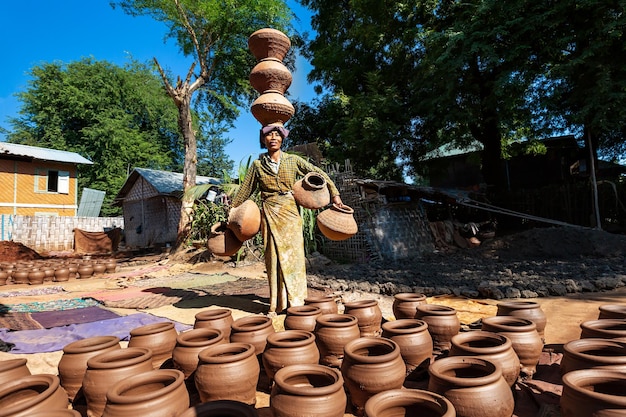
152	299
53	305
49	319
242	286
34	291
18	321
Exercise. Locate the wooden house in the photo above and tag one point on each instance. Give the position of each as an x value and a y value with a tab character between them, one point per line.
38	181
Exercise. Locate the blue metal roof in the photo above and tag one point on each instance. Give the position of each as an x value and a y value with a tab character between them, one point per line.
167	182
42	154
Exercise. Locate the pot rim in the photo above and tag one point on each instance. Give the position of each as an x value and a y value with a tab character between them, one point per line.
405	326
226	353
435	310
251	323
172	377
519	305
305	310
410	296
10	364
150	329
510	323
203	336
360	304
460	341
290	338
407	397
573	348
353	346
120	358
337	320
606	326
90	344
213	314
333	375
574	379
438	367
49	381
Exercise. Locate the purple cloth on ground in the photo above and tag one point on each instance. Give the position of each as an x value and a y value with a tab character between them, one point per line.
49	319
50	340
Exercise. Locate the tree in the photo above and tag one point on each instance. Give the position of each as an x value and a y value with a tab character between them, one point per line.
214	34
119	118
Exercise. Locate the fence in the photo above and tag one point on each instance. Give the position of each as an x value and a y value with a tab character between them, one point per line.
51	233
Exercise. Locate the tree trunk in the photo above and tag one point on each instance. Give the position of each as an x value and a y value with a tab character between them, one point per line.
189	168
489	135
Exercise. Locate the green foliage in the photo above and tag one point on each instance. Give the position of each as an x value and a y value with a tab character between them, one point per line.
205	215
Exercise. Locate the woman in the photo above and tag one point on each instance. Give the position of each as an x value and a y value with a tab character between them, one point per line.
274	174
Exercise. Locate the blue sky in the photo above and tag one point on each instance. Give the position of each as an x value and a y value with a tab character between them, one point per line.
37	31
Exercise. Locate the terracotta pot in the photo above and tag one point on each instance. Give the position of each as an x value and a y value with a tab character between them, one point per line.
492	346
12	369
85	271
215	318
337	223
158	337
36	276
270	74
245	220
222	241
33	393
111	265
190	343
416	345
228	371
523	335
20	276
408	402
332	332
474	386
603	329
56	413
525	309
155	393
253	330
612	311
371	365
73	362
99	268
326	303
290	347
269	43
302	318
311	191
272	107
368	315
62	274
405	304
48	273
105	369
312	390
4	276
443	323
222	408
593	353
593	392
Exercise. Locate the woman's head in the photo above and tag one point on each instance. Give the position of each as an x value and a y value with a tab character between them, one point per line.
272	135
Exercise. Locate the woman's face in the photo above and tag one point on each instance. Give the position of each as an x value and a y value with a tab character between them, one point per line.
273	141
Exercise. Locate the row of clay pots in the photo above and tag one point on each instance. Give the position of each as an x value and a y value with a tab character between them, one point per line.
37	272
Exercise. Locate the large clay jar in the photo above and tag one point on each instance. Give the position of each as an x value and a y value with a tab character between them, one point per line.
253	330
20	276
405	304
443	323
190	343
290	347
228	371
593	393
302	318
73	363
337	223
222	408
491	346
269	43
326	303
603	329
523	335
368	315
33	393
525	309
215	318
62	274
158	337
270	74
332	332
408	402
156	393
245	220
310	389
474	386
311	191
222	241
11	369
371	365
272	107
592	353
36	276
106	369
416	345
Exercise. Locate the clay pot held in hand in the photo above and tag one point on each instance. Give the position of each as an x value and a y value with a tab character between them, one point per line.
269	43
222	241
215	318
603	329
302	318
337	223
592	353
443	323
311	191
368	314
593	392
253	330
527	310
158	337
245	220
416	345
27	395
290	347
190	343
409	402
326	303
332	332
405	304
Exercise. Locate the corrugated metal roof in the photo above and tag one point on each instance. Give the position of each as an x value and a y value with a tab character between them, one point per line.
90	203
43	154
450	149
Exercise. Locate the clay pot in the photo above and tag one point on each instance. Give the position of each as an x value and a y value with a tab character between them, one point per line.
85	271
228	371
311	191
56	413
158	337
48	273
525	309
12	369
190	343
416	345
33	393
332	332
443	323
4	276
271	107
73	270
405	304
612	311
269	43
368	315
270	74
603	329
111	265
105	369
99	268
62	274
593	392
337	223
524	338
312	390
215	318
245	220
302	318
155	393
290	347
409	402
592	353
36	276
253	330
222	241
73	363
20	276
492	346
371	365
326	303
222	408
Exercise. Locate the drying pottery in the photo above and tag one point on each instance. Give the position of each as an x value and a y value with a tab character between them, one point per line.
337	223
99	268
33	393
56	413
4	276
20	276
311	191
270	74
592	353
416	345
11	369
158	337
222	241
302	318
62	274
443	323
612	311
111	265
85	271
368	315
408	402
332	332
593	393
603	329
405	304
272	107
222	408
253	330
245	220
290	347
190	343
215	318
525	309
326	303
36	276
269	43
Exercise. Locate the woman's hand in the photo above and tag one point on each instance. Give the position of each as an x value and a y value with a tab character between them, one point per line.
337	201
